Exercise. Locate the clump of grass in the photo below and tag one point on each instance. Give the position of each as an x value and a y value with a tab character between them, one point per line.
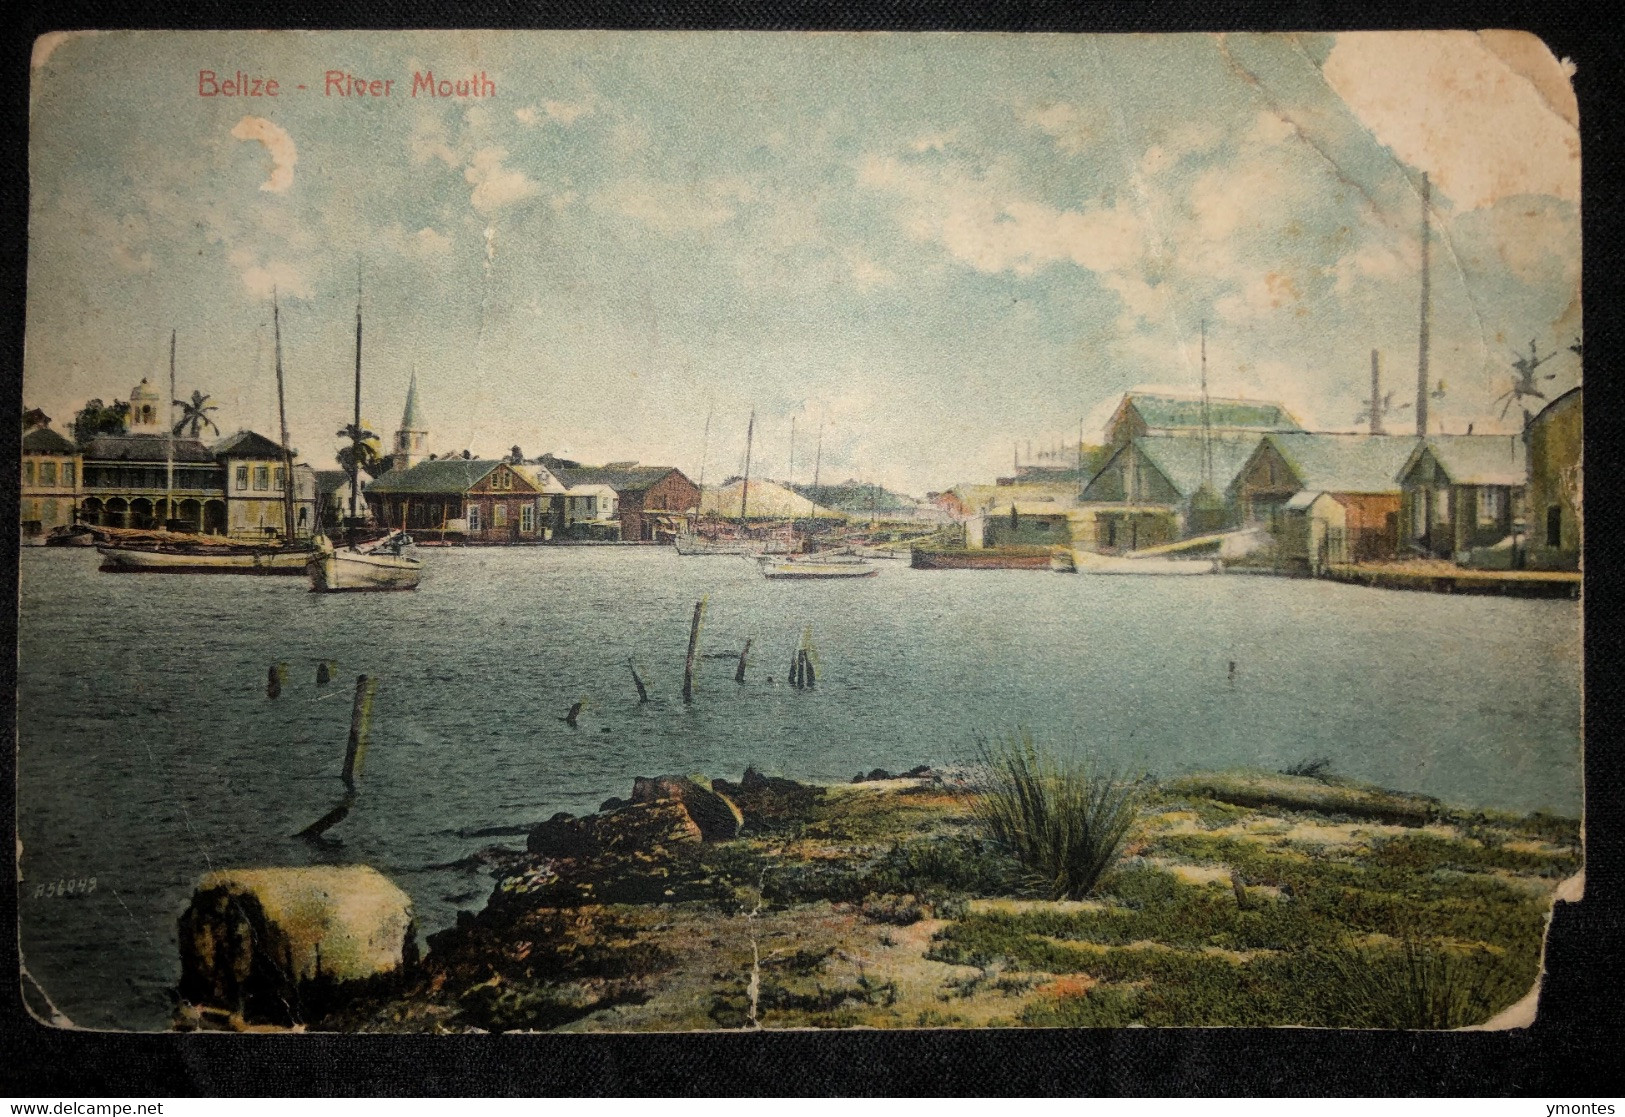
1310	769
1424	986
1061	820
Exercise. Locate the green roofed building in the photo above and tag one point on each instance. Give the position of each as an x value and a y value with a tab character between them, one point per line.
1146	413
1158	488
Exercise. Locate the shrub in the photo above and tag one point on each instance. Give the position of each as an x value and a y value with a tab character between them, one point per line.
1061	820
1426	986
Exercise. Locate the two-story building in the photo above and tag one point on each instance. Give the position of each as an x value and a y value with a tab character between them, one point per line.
51	469
1158	488
652	502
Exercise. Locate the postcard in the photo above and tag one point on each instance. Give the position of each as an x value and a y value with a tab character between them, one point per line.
690	531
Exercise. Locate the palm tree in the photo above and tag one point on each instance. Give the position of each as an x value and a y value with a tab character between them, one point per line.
362	451
195	414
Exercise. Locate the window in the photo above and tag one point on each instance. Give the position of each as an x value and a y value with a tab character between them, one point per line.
262	477
28	475
473	517
67	474
1491	503
1554	525
47	474
281	478
502	479
1419	512
1441	505
527	517
499	515
242	477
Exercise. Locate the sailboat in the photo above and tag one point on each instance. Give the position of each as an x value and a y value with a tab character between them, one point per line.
162	551
716	537
379	565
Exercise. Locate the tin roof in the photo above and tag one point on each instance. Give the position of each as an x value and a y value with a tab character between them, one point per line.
1344	463
43	440
621	478
247	444
1474	459
443	475
1179	459
1163	412
144	448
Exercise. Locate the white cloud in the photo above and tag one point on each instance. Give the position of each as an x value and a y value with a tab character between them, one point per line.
429	141
1065	124
431	242
868	274
494	185
277	143
671	208
262	279
564	113
986	223
1448	105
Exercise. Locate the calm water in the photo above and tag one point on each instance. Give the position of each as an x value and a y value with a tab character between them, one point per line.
149	752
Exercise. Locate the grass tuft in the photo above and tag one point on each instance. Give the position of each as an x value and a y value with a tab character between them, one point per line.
1061	820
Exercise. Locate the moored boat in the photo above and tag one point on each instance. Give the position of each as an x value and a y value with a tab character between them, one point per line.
981	558
819	567
381	565
1152	565
203	559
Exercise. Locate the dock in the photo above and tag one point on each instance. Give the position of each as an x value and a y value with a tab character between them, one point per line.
1434	576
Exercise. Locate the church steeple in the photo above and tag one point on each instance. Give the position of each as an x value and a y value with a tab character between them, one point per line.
412	435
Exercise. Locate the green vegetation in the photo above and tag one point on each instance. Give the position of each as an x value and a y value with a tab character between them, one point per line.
1063	822
1039	897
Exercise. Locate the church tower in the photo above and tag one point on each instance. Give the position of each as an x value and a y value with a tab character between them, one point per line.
412	435
146	412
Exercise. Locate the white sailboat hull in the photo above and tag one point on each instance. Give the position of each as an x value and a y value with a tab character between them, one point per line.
335	571
133	560
1166	567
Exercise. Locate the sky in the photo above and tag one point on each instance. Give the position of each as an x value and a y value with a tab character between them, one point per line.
924	251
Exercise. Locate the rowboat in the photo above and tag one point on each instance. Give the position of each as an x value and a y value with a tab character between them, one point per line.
817	568
204	560
371	566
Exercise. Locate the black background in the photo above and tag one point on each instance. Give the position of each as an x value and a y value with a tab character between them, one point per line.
1572	1052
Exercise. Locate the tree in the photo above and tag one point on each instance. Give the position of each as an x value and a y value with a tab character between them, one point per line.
362	449
195	414
99	418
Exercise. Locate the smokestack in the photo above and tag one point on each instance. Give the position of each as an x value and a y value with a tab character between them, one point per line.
1376	394
1422	350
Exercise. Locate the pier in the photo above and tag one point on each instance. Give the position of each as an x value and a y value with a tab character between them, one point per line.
1436	576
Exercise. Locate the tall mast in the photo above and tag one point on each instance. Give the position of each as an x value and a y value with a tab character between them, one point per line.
790	480
744	492
818	461
169	443
1422	349
1376	394
355	430
1207	420
705	447
282	418
1080	459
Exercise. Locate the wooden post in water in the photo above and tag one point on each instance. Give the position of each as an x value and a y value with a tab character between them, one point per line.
693	650
808	675
273	680
643	692
739	675
355	750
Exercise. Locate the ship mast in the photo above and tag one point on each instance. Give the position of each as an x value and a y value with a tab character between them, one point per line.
355	430
169	442
790	480
1422	348
282	418
744	491
818	461
1207	421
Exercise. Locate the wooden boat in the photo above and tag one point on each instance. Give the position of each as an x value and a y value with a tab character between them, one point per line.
380	565
357	566
817	567
1088	563
75	535
172	552
982	558
203	559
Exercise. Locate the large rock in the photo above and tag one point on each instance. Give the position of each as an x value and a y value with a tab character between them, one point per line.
278	946
647	827
769	801
717	817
